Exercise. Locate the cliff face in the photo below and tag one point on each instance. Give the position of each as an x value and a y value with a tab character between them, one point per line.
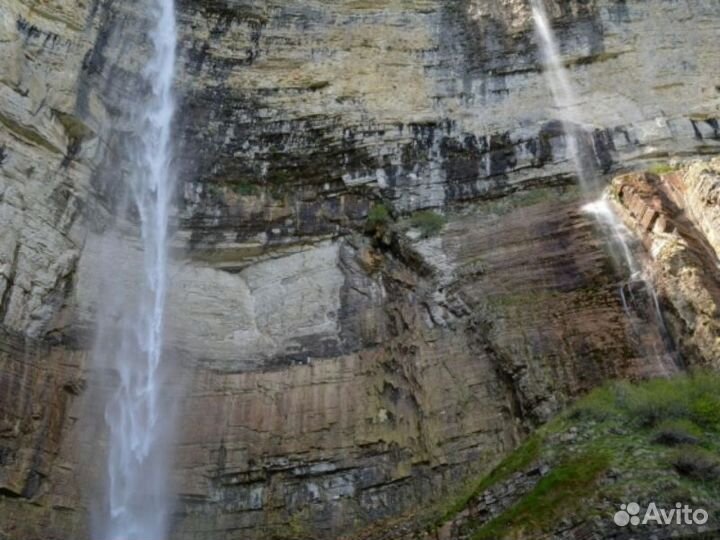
338	369
651	442
674	214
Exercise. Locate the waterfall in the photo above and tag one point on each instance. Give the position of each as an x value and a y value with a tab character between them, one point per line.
563	94
136	504
617	235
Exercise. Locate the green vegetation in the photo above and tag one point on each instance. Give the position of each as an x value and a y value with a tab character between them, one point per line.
696	463
554	495
279	176
661	168
520	459
694	398
430	223
656	440
244	189
214	191
676	432
378	219
240	188
296	528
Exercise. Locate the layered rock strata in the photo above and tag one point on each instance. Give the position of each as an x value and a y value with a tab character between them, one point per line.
674	215
336	373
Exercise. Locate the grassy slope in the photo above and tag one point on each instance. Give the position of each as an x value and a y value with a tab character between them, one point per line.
655	441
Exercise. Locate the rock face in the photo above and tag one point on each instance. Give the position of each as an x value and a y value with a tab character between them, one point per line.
338	370
674	215
649	443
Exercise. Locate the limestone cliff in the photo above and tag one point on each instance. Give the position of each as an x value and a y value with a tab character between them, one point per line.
383	279
674	215
652	443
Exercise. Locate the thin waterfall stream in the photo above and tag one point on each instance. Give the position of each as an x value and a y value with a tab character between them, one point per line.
137	498
596	203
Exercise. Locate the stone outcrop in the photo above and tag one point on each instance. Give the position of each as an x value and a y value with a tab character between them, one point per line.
332	376
701	194
424	103
623	443
674	216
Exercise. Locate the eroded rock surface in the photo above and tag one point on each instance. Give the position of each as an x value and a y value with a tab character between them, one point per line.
334	377
675	214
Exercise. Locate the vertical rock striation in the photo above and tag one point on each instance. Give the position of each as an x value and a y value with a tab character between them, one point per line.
674	214
342	369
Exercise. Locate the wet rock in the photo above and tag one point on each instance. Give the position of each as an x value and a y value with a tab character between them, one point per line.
346	380
683	260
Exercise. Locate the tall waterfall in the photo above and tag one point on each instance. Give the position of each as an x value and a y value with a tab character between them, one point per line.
637	289
563	95
136	503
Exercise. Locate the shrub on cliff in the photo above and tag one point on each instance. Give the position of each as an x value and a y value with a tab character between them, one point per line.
378	219
428	222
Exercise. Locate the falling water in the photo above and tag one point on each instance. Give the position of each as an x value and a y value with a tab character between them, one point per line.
136	504
568	108
602	211
563	94
619	238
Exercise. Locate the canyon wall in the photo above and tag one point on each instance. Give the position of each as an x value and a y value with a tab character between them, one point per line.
673	214
383	279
